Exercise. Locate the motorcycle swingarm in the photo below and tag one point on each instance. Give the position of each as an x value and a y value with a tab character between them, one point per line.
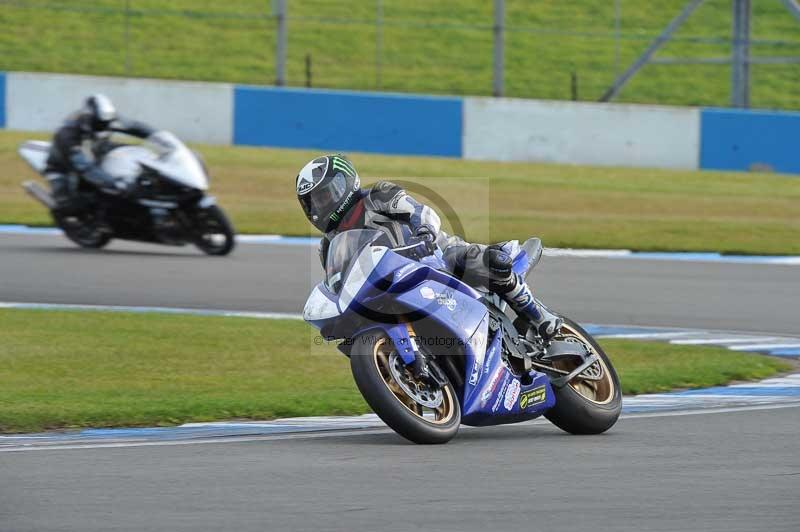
560	350
560	382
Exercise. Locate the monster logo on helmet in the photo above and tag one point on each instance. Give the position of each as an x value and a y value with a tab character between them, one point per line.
326	188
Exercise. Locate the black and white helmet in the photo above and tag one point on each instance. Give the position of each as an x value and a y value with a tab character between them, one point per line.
327	188
100	112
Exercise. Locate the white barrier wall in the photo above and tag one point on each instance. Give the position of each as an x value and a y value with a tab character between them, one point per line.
581	133
197	112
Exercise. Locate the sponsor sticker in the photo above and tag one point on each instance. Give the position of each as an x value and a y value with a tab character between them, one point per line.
446	299
532	397
500	394
491	386
476	371
512	393
405	269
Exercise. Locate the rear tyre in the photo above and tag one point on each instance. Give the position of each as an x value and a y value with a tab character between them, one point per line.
83	229
214	233
586	405
411	408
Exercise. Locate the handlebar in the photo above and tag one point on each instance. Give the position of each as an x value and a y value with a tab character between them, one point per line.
408	251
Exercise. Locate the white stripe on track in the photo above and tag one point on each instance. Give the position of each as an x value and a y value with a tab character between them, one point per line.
686	256
357	432
653	336
764	346
722	340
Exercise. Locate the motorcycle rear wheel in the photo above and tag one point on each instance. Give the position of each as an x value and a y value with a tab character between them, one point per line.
83	230
586	406
214	233
371	361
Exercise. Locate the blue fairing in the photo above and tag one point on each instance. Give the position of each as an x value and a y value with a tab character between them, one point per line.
521	263
398	287
497	396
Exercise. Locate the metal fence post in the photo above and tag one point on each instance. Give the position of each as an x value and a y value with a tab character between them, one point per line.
740	55
378	41
617	23
127	37
659	41
280	49
499	36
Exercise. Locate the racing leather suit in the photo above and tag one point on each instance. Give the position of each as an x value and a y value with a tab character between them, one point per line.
76	149
387	206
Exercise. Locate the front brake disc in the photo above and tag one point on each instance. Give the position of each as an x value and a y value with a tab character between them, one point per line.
420	392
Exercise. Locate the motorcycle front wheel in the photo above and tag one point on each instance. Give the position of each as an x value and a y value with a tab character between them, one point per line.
416	410
214	233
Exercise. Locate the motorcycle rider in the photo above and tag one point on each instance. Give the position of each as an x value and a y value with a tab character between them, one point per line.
330	193
80	143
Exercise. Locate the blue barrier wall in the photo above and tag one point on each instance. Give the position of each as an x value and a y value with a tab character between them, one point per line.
347	121
2	99
741	140
498	129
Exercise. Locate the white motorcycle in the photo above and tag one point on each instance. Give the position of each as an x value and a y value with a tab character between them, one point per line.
167	204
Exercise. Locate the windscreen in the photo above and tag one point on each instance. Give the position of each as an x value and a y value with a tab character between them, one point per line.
176	161
344	248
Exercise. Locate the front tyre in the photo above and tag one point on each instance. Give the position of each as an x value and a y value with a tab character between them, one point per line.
591	403
413	409
213	232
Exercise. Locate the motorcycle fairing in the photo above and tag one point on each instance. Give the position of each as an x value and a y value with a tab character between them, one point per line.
497	396
35	153
524	257
378	277
491	394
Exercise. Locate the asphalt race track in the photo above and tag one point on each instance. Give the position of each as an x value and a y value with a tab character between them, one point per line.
277	278
723	471
734	472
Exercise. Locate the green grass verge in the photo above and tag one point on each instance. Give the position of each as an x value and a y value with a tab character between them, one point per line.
434	47
567	206
82	369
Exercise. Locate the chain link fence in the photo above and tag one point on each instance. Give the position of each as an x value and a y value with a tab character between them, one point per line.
553	49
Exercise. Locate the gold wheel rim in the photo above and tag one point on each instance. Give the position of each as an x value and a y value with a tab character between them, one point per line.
600	391
438	416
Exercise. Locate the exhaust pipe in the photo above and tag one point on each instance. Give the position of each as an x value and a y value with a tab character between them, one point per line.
39	194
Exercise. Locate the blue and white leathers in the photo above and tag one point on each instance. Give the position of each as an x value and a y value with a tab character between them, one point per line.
382	291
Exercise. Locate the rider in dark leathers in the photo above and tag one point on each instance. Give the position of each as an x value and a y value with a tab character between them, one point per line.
80	143
330	193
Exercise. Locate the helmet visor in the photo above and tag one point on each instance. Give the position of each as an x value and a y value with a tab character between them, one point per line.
323	200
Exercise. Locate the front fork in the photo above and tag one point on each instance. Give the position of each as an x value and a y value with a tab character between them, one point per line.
405	342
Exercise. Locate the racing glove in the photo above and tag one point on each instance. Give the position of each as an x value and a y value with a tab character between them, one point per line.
425	233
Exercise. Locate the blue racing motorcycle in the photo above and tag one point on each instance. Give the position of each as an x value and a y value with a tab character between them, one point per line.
429	352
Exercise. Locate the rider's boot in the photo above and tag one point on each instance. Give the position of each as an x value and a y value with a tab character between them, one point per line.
521	300
65	204
516	292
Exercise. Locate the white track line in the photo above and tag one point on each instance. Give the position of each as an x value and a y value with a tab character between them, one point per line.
722	340
356	432
653	336
278	240
763	346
